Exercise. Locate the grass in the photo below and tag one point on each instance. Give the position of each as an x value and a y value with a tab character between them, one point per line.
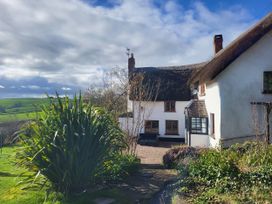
11	192
20	108
10	175
16	117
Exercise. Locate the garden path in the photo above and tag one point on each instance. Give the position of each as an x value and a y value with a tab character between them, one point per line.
152	176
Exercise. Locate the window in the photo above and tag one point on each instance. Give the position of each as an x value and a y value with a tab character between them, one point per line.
212	123
267	82
199	125
171	127
169	106
152	126
202	89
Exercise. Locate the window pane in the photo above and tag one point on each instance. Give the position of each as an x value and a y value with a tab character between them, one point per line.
199	125
171	127
152	126
155	124
267	80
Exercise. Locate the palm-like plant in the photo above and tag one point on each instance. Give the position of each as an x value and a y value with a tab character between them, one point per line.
69	143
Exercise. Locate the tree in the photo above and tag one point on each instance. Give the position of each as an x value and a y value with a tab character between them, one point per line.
112	95
142	93
121	90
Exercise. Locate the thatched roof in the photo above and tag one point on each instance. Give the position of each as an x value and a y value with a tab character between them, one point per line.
227	55
165	83
197	109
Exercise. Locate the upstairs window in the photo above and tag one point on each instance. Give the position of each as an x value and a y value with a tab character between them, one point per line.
152	126
199	125
169	106
171	127
202	90
267	82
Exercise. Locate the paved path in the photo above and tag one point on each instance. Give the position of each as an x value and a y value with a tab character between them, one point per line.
153	155
152	176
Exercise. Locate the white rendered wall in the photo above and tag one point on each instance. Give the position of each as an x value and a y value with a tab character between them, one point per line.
155	111
199	140
213	105
239	84
126	124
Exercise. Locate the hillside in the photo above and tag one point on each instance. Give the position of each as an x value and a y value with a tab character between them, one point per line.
20	108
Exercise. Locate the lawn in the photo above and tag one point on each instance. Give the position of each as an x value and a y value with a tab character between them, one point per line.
11	192
10	175
20	108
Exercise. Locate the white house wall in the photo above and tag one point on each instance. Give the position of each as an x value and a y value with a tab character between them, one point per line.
213	105
198	140
239	84
155	111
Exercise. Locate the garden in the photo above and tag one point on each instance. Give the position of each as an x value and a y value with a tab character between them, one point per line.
71	154
239	174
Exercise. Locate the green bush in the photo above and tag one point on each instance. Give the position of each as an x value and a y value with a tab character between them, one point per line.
261	155
213	166
240	174
179	155
118	167
69	143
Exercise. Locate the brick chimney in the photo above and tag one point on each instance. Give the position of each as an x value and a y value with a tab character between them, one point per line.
218	43
131	64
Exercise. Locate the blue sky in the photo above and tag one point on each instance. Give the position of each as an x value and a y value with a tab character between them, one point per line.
67	45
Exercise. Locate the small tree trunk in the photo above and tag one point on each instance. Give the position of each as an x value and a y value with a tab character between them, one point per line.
268	110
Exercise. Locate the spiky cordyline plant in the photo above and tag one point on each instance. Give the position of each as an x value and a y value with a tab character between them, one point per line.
69	143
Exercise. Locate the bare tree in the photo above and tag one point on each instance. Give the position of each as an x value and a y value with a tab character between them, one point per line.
115	93
143	93
111	95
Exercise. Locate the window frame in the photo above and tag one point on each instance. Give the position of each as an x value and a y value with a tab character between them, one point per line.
168	106
171	132
266	76
152	128
199	129
212	124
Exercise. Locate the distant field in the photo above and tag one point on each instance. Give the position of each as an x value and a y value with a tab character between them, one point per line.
20	108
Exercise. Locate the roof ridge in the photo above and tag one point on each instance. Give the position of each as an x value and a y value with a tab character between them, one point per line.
171	67
232	51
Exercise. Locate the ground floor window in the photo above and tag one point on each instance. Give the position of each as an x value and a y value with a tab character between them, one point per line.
199	125
152	126
171	127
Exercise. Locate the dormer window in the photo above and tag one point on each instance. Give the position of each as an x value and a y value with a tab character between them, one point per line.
267	82
169	106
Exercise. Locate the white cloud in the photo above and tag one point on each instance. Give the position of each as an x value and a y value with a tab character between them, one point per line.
2	87
66	89
69	41
33	87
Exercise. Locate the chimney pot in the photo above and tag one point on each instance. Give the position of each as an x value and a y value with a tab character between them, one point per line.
218	43
131	63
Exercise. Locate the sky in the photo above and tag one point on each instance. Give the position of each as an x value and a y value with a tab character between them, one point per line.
69	45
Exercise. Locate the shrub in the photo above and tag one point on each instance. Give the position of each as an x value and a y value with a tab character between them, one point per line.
117	167
69	143
178	155
242	173
214	166
243	148
260	155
